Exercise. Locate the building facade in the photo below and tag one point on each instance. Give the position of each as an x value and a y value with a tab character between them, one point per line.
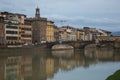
13	28
90	34
80	35
11	32
63	36
38	28
14	16
26	33
56	34
50	31
102	32
2	38
67	33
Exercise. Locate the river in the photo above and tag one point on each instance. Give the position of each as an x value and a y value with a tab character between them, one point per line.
37	64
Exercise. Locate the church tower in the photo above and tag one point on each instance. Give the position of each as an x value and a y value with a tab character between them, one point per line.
38	27
37	14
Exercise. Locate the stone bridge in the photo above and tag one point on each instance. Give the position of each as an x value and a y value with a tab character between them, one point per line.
75	44
112	41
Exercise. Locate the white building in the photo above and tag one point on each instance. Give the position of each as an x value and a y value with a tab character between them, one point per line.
102	32
68	33
11	32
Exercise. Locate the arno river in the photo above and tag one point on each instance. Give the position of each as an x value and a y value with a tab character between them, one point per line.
37	64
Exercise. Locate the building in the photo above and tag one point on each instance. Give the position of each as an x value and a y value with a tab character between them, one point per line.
87	33
56	34
67	33
90	33
13	26
93	33
2	38
63	36
38	27
50	31
102	32
26	33
80	35
11	32
14	16
73	36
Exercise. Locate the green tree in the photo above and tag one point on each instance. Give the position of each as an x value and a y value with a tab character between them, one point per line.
115	76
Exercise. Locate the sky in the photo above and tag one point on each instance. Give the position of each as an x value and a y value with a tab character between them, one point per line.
99	14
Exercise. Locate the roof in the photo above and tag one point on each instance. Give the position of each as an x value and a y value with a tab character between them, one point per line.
105	31
8	13
50	21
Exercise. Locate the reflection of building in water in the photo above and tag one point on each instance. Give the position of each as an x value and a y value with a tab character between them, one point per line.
2	71
2	68
50	66
68	59
43	66
104	54
90	52
39	68
117	55
27	67
89	56
13	69
99	53
67	64
63	53
79	57
95	55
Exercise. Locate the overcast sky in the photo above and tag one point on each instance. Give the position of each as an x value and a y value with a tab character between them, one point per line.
100	14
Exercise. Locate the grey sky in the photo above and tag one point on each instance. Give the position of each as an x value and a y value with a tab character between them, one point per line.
104	14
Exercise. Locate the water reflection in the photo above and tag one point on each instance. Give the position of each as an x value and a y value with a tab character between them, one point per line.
36	64
63	53
102	54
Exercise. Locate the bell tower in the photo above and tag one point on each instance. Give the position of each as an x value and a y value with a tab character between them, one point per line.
37	14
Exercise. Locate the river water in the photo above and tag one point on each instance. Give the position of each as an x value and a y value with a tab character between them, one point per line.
37	64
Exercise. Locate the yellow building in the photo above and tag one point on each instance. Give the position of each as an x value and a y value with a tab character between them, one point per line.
50	31
50	67
79	34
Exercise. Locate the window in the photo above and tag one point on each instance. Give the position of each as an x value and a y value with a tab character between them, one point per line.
11	38
12	27
11	32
